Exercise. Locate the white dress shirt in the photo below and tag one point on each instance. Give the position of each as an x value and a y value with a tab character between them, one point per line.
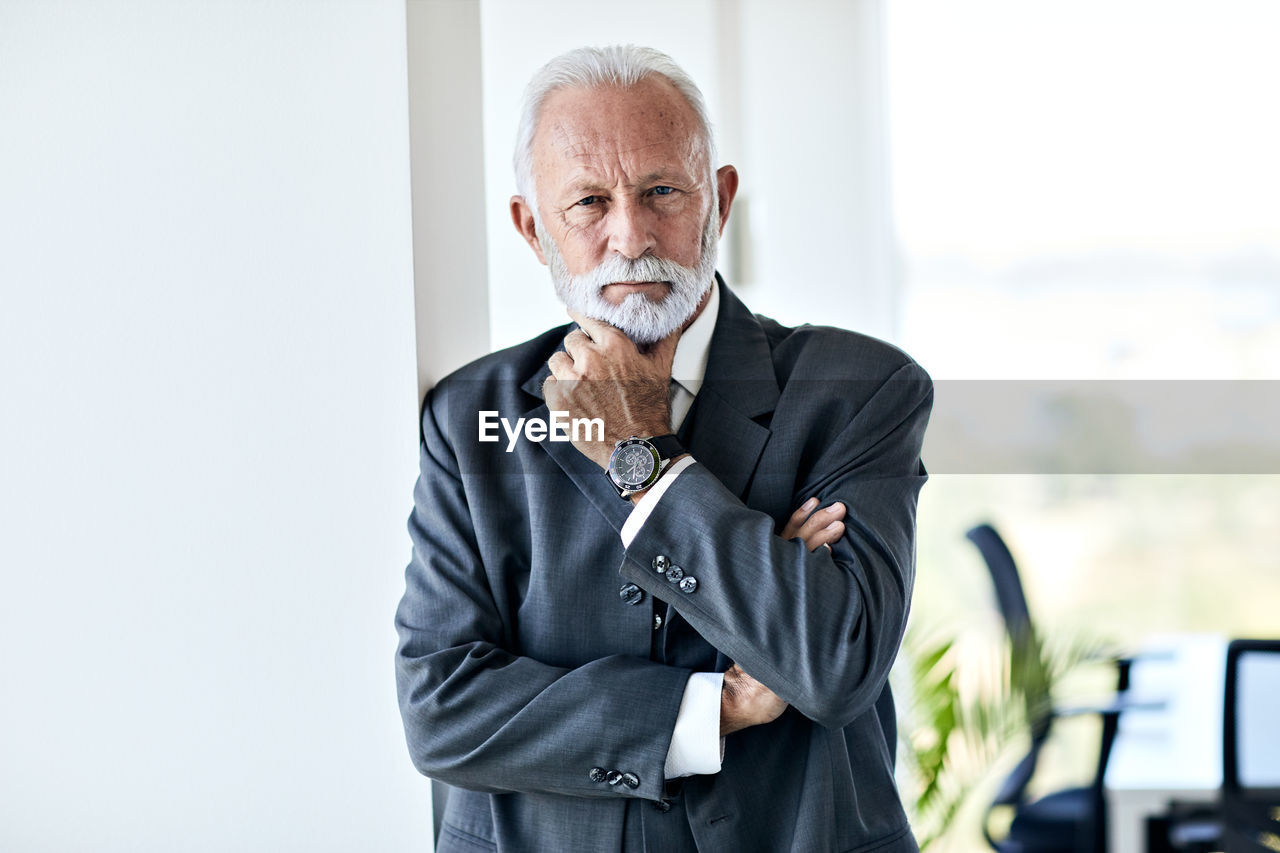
696	745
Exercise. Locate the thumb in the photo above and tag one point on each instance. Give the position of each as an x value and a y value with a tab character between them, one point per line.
664	351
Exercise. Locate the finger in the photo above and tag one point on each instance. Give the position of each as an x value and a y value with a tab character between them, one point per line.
599	331
561	365
664	351
577	344
826	536
792	528
821	534
822	518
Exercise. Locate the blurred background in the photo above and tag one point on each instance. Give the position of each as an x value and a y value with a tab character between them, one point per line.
238	240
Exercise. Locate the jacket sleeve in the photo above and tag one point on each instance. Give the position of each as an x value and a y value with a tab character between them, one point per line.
820	629
480	717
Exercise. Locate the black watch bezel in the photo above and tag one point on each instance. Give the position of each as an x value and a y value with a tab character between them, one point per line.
662	448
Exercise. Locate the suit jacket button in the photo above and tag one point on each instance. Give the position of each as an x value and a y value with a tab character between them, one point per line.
663	806
674	574
631	594
660	564
631	779
689	584
657	621
597	774
613	778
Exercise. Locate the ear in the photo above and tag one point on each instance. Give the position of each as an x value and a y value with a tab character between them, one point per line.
727	187
522	218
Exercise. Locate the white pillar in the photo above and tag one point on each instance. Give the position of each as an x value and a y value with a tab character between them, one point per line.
450	266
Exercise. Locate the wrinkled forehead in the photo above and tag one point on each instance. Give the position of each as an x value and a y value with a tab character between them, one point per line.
643	126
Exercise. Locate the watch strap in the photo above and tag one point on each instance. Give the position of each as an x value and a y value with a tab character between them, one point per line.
668	446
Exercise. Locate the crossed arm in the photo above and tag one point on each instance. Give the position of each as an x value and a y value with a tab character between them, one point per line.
745	702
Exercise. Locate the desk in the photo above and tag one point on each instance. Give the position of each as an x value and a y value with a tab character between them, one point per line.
1173	749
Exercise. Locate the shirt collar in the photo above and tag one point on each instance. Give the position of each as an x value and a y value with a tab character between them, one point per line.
689	364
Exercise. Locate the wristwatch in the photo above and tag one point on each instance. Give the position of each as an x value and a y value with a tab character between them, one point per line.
636	462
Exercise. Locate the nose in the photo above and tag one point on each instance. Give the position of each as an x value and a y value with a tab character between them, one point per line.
630	229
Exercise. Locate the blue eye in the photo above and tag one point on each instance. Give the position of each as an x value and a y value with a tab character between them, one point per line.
589	200
663	190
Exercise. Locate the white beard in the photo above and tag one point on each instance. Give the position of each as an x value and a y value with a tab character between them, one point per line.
642	320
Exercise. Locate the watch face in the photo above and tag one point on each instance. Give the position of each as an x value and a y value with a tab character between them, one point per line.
633	464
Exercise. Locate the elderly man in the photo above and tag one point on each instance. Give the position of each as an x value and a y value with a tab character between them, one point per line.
626	636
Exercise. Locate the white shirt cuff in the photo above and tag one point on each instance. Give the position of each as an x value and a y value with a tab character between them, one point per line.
649	500
696	745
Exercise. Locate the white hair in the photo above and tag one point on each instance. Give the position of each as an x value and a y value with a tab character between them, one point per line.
592	68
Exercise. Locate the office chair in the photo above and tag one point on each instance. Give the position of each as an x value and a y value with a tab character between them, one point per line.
1068	821
1250	799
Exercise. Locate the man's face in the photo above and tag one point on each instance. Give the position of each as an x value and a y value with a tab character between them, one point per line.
627	216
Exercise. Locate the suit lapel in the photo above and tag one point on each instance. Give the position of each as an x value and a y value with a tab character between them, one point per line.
739	386
726	442
720	430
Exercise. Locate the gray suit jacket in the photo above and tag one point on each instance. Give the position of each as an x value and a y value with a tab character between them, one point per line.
521	669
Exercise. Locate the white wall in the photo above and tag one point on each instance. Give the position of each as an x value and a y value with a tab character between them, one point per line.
208	423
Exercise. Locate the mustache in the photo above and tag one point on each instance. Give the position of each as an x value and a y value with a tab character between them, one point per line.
644	268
